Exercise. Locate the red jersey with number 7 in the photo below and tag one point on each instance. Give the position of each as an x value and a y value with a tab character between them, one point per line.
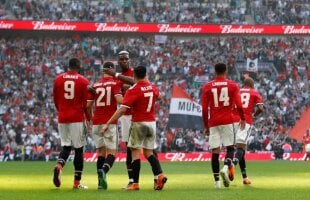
218	99
70	96
141	98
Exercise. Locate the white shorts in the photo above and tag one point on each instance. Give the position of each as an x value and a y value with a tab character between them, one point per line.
242	136
221	135
307	148
73	134
142	135
108	139
125	127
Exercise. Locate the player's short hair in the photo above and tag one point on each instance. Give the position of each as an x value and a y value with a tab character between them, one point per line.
108	65
74	63
248	82
220	68
140	71
123	54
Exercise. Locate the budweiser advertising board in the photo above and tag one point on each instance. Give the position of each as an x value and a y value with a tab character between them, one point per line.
153	28
201	157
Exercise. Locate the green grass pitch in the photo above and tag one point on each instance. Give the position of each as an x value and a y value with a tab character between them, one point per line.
274	180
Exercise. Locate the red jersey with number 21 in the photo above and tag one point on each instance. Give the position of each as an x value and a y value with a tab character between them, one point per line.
141	98
106	90
220	95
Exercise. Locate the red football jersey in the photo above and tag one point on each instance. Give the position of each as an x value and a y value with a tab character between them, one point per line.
70	96
249	99
129	72
220	96
141	98
105	103
306	138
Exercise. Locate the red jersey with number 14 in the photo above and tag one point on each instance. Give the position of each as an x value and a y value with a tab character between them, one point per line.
249	99
220	95
70	96
105	104
141	98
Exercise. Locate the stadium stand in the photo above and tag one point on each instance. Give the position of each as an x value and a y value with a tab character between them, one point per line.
28	63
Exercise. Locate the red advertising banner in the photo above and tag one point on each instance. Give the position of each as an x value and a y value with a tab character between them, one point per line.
200	157
153	28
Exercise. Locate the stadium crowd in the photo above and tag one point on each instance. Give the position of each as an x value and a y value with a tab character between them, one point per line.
28	123
28	126
150	11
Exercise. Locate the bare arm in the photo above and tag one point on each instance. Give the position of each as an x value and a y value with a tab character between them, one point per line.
259	109
126	79
114	117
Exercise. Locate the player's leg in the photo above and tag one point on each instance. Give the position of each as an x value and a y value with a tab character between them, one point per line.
214	141
110	142
241	139
64	153
78	136
101	153
149	130
125	129
227	134
135	143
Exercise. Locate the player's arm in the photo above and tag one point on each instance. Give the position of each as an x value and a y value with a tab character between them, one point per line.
259	109
205	110
237	99
117	114
89	110
119	98
126	79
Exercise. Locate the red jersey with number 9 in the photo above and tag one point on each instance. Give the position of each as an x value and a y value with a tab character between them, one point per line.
141	98
220	96
70	96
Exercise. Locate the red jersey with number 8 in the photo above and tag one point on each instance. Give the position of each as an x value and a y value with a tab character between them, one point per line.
249	99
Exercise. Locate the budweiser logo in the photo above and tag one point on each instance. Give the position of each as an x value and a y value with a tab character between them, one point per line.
295	30
41	25
4	25
241	29
167	28
116	27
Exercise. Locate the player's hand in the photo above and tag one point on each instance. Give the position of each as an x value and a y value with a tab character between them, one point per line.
104	129
89	125
109	71
91	89
242	125
207	131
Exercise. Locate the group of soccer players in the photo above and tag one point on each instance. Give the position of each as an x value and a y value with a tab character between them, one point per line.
227	115
226	110
77	101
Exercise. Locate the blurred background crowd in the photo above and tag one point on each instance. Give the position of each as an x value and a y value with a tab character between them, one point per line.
29	63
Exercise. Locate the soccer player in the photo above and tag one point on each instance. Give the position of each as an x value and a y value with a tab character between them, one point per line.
70	98
108	95
250	98
220	96
306	144
126	80
140	98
